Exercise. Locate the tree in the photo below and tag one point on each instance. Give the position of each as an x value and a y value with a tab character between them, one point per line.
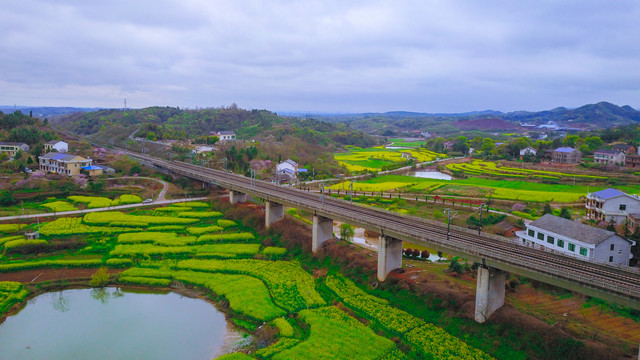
547	209
455	266
564	213
612	225
346	232
100	278
6	198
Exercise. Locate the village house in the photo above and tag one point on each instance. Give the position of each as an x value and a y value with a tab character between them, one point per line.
224	135
560	235
63	163
609	157
625	148
632	160
507	229
92	170
608	204
566	155
528	151
287	170
58	145
11	148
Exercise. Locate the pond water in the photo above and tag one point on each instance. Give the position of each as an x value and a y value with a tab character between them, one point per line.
431	175
111	323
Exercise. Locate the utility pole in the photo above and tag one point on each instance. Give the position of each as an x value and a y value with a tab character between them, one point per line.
480	225
351	200
448	223
322	194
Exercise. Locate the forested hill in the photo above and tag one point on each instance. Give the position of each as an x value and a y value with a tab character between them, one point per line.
157	123
591	116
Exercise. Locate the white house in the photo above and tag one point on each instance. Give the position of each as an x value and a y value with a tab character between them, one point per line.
224	135
59	145
528	151
287	170
613	157
560	235
608	204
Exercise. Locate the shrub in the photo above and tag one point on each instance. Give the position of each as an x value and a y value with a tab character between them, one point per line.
408	252
100	278
415	253
425	254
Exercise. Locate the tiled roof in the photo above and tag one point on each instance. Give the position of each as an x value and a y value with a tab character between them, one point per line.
289	161
572	229
12	143
608	193
564	149
605	151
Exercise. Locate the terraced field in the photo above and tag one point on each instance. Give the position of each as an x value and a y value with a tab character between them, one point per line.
517	190
197	247
375	159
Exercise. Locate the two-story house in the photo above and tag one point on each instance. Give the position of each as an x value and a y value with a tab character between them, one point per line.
11	148
567	237
566	155
63	163
609	157
58	145
608	204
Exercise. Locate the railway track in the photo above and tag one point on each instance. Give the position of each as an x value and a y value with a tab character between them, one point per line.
601	277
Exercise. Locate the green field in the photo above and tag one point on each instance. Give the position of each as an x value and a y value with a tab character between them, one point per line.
480	167
377	158
519	190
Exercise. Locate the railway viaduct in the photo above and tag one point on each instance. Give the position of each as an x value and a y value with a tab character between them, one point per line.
496	255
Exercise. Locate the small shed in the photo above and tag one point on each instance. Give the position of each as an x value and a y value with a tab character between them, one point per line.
93	170
508	229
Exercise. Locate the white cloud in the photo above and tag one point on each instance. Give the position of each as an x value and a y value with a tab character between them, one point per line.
439	56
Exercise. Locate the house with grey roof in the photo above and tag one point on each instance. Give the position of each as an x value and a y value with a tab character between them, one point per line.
609	157
566	155
61	163
608	204
567	237
224	135
58	145
12	148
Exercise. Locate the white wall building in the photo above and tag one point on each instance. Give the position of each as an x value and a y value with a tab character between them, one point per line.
608	204
609	157
224	135
560	235
59	145
528	151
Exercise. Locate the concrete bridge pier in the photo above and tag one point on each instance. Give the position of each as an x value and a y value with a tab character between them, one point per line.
237	197
389	256
321	231
273	212
489	292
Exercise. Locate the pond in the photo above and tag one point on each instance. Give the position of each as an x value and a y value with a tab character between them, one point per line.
111	323
431	175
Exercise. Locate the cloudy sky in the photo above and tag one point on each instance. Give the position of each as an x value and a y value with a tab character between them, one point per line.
324	56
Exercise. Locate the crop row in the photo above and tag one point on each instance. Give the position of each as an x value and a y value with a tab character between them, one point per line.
59	206
480	167
291	287
50	263
226	223
246	294
107	217
10	294
143	280
335	335
199	214
166	228
215	250
74	226
157	238
235	237
284	327
277	347
192	204
93	202
203	229
23	243
432	341
10	238
11	228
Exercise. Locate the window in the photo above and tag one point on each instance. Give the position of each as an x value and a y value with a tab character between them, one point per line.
531	233
623	207
583	251
540	236
550	239
561	243
612	246
571	247
610	258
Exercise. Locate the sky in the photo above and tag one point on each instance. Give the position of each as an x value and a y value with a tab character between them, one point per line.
321	56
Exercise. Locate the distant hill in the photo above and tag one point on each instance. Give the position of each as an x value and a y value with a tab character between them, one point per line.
592	116
44	111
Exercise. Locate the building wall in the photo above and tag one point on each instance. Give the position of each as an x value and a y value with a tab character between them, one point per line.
543	244
611	208
619	254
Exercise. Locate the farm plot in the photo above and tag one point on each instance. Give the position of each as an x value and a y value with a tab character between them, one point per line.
59	206
74	226
108	217
480	167
358	159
